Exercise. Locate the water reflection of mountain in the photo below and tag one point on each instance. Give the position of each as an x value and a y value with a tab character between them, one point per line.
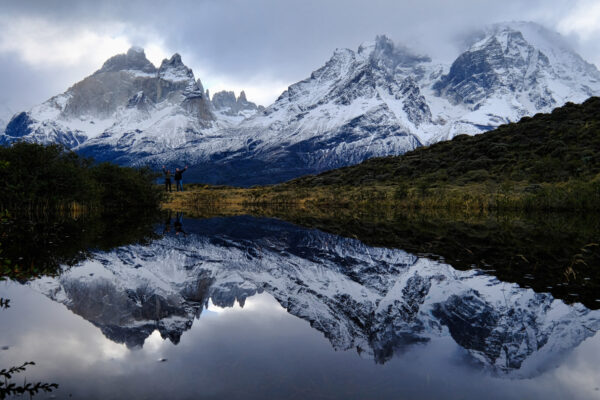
375	300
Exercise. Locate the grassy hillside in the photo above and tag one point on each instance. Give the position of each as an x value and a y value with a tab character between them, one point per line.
546	148
546	162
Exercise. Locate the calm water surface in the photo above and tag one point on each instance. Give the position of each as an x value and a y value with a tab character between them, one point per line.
246	307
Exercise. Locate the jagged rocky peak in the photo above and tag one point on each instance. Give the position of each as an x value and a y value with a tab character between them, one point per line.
173	69
226	103
223	99
384	51
534	34
135	60
518	57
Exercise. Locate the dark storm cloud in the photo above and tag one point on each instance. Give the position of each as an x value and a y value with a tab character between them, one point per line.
277	40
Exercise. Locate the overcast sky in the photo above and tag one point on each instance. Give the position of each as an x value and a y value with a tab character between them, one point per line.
261	46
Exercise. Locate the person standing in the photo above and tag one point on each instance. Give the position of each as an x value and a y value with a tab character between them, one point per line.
167	174
179	224
178	178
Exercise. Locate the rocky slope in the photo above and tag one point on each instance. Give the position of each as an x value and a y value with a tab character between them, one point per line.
375	300
380	100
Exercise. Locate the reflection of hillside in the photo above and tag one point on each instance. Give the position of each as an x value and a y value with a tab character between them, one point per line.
38	245
555	252
373	299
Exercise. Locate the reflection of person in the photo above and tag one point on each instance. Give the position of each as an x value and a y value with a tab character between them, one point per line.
179	224
167	224
178	178
167	174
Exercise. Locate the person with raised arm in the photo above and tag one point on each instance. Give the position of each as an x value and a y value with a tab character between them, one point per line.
178	178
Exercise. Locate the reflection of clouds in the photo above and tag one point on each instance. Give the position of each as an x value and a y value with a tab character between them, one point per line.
259	302
212	308
264	303
154	342
580	369
257	351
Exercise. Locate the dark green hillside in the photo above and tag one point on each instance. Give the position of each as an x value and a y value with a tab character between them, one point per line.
552	148
546	162
34	177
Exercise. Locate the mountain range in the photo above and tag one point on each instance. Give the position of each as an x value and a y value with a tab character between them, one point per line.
382	99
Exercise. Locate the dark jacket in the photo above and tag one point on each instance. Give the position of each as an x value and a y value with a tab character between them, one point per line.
178	176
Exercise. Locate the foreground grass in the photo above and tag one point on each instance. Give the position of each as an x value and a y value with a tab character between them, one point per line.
475	197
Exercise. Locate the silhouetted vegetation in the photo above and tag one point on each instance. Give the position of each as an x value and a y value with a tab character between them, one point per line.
34	177
8	388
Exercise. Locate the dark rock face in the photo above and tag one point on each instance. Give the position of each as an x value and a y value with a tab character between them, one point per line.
223	99
415	106
471	76
505	339
115	84
470	320
492	67
18	126
141	307
226	103
21	128
135	59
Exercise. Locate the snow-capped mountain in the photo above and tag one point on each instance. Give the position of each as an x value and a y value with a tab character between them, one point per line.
126	107
382	99
376	300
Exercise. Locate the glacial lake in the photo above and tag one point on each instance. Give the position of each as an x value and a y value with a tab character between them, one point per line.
246	307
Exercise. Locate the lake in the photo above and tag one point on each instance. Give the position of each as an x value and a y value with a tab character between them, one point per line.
256	307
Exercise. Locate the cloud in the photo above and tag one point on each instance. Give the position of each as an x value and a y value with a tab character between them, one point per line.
38	42
583	19
261	46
